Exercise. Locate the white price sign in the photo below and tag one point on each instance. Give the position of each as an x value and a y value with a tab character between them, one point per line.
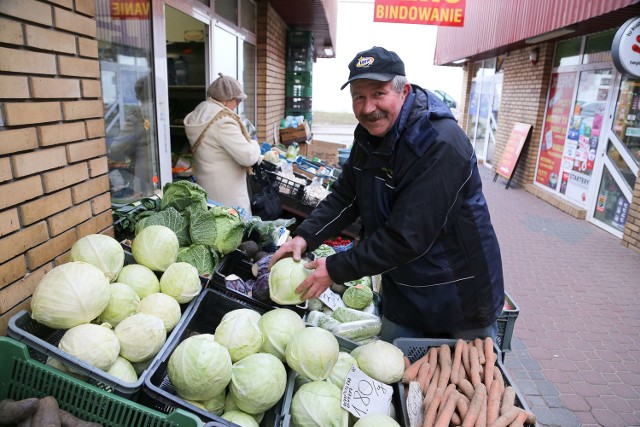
331	299
362	395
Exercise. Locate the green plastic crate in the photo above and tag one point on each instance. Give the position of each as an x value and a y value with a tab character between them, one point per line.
22	377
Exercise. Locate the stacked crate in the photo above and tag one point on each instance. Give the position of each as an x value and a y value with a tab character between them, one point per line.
300	55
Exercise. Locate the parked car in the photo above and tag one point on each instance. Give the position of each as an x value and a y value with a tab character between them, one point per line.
448	99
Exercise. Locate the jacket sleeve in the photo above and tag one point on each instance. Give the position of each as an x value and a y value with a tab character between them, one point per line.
423	203
229	134
335	213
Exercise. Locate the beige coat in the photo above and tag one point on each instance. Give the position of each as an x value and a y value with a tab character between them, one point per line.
223	155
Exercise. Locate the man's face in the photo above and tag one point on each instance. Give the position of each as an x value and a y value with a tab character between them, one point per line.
376	105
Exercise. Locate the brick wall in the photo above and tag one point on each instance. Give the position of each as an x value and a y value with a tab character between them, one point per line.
53	183
271	52
631	237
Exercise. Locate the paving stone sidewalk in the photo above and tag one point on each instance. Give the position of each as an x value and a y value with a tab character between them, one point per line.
576	345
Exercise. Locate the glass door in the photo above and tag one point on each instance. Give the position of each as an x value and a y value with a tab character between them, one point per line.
618	169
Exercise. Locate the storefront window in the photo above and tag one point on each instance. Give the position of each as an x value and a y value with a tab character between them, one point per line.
567	53
598	48
612	207
248	15
228	9
626	125
621	165
124	41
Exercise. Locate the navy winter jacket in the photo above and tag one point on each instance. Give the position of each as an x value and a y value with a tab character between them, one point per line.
425	222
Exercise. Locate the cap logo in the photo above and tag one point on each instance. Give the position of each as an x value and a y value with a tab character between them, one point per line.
365	61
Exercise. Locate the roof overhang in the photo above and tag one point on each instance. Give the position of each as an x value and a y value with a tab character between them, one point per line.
318	16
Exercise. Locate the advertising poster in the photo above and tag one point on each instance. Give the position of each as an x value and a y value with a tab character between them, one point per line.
555	129
513	149
577	186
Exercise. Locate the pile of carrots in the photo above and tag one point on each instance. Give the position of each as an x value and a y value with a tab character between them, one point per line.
464	387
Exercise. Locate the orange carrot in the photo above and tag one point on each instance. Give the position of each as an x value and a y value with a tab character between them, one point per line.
466	388
520	420
433	362
423	376
431	411
457	360
493	403
475	406
481	421
497	376
465	358
431	388
411	372
445	397
507	418
480	347
407	363
474	362
489	358
446	413
444	362
508	399
462	405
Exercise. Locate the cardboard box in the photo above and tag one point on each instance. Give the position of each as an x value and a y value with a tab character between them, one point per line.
325	151
300	134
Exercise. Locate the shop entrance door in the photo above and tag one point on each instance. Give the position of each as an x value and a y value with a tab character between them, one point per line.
618	157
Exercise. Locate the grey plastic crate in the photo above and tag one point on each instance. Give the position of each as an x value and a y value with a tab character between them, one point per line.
415	348
506	323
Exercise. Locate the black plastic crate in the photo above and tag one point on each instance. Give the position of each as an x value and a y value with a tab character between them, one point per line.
42	343
415	348
208	311
293	103
237	263
288	186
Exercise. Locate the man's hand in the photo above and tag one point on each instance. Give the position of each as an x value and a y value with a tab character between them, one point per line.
317	282
294	247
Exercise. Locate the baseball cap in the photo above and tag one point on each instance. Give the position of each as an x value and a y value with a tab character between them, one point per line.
224	88
376	63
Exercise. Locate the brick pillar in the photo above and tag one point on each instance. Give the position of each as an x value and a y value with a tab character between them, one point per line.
54	187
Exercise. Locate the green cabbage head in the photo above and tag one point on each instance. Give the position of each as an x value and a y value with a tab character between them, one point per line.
229	227
123	302
199	368
380	360
164	307
140	278
340	370
286	275
156	247
312	353
69	295
257	382
376	420
97	345
101	251
181	281
141	336
358	297
239	332
241	418
123	370
278	327
318	404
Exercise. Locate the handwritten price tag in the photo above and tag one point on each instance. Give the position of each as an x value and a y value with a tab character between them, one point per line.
331	299
362	395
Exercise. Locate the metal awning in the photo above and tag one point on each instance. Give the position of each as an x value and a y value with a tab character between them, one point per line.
493	27
318	16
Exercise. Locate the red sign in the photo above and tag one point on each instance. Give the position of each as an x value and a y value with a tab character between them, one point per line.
556	124
426	12
513	149
129	9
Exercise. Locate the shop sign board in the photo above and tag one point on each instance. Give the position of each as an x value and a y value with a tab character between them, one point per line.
513	149
448	13
129	9
625	49
554	134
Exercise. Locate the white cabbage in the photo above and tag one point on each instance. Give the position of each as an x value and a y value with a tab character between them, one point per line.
141	336
199	368
156	247
97	345
241	418
278	327
181	281
258	382
317	404
123	302
340	370
239	332
69	295
101	251
380	360
164	307
140	278
123	370
285	276
312	353
376	420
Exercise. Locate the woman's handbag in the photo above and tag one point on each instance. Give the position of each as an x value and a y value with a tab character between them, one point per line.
265	202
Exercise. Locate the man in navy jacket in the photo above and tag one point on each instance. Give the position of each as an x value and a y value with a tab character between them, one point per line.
412	177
